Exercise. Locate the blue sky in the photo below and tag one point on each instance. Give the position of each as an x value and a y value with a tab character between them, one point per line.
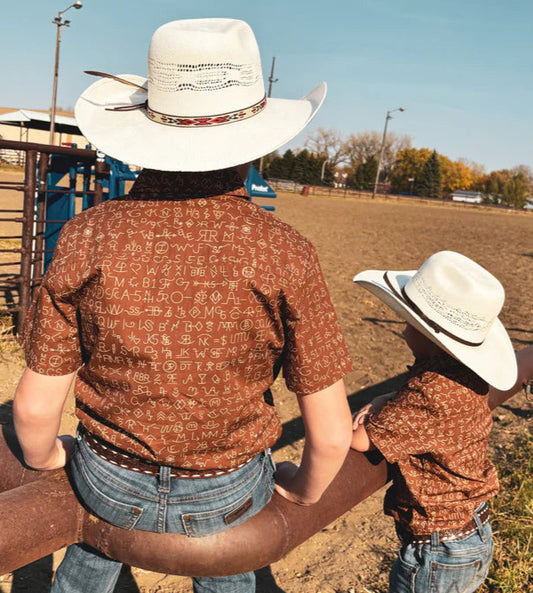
461	68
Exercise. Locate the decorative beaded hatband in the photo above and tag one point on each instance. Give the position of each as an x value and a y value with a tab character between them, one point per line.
181	121
210	120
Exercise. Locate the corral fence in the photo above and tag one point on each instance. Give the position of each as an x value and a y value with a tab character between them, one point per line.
288	185
32	223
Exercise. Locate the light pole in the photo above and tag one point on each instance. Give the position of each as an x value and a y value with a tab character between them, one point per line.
323	171
389	116
60	23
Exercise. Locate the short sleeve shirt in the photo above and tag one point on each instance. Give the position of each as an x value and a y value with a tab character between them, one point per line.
179	304
435	431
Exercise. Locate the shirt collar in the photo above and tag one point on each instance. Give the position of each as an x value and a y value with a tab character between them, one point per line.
435	363
177	185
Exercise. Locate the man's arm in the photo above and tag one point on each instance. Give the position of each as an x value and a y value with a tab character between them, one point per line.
37	409
524	360
328	428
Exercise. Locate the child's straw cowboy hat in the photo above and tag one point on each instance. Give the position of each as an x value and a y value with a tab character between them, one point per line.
455	303
203	106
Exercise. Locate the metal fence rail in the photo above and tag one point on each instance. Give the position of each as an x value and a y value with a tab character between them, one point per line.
38	216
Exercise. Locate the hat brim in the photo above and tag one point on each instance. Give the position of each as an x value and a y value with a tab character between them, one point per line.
133	138
494	360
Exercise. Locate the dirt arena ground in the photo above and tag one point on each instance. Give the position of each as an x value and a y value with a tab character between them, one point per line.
353	554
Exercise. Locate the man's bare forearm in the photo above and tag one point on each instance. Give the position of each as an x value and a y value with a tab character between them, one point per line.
524	360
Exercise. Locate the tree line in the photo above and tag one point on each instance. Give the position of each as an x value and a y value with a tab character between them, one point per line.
329	159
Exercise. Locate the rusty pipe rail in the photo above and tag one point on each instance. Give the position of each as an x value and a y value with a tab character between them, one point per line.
80	153
39	514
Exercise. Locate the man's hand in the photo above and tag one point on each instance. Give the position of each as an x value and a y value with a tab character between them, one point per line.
59	455
284	476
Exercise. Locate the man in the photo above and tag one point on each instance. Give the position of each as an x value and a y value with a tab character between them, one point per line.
176	307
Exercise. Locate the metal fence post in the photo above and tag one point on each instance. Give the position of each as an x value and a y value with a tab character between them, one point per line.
30	186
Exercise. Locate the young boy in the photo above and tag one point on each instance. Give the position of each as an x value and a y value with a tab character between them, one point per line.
435	429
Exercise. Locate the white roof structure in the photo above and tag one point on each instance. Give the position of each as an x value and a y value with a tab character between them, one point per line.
40	121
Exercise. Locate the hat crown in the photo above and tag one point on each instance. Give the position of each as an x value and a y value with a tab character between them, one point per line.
204	67
457	294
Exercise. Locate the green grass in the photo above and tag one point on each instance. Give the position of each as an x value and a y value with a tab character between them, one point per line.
512	521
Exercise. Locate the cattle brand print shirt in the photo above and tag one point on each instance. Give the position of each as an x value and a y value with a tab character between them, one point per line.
435	431
179	303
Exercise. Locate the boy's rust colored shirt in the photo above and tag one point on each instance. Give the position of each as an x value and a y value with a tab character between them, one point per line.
435	431
179	303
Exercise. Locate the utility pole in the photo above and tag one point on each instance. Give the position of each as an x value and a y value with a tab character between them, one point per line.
389	116
271	80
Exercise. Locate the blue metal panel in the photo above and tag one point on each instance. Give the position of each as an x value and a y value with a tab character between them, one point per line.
60	206
256	186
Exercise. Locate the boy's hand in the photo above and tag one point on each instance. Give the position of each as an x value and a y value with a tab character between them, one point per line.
360	416
372	408
284	476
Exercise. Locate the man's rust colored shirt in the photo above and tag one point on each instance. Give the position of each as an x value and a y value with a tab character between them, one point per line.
179	303
435	431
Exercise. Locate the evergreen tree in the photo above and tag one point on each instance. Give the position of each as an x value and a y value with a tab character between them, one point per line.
281	167
303	168
429	184
365	175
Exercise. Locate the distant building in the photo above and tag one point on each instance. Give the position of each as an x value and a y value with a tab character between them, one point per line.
471	197
25	125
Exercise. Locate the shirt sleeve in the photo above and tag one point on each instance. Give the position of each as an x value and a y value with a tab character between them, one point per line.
409	423
316	356
50	336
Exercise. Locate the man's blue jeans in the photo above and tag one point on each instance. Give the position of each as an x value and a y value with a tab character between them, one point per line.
131	500
456	566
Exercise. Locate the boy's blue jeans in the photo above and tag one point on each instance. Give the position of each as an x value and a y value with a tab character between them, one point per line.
131	500
457	566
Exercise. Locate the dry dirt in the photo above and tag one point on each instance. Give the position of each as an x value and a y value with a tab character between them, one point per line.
354	553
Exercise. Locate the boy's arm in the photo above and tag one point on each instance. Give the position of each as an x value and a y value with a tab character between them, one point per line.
37	409
327	422
524	360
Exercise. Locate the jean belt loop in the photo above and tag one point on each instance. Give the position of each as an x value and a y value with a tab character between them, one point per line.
435	540
479	524
164	479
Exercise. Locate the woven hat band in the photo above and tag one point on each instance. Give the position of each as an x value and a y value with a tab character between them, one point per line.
209	120
434	326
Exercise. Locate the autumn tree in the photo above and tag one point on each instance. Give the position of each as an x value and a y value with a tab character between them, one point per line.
360	148
408	166
455	175
508	186
326	145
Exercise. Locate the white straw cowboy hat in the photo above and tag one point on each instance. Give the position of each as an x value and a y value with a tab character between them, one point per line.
454	302
203	106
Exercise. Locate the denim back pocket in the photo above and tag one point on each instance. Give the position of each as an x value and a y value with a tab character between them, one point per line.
461	577
100	496
232	506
